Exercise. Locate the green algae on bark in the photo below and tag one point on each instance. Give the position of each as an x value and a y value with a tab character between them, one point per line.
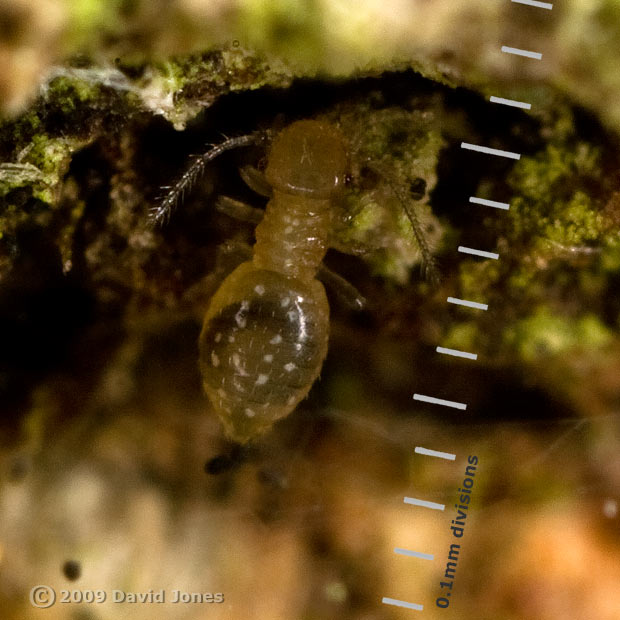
558	214
548	293
87	106
394	156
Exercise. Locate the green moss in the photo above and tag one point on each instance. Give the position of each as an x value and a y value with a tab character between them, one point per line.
550	202
577	223
13	176
463	336
547	333
610	256
544	176
392	150
555	224
181	87
68	92
478	278
50	157
366	216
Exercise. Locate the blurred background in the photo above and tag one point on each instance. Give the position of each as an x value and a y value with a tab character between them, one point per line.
114	470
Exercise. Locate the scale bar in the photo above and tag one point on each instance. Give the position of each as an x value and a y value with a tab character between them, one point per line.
482	253
457	353
517	52
439	401
469	304
511	102
414	554
489	203
397	603
414	501
490	151
440	455
538	5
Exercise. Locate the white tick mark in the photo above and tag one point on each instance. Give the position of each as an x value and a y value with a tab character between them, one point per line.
300	298
289	367
268	358
277	339
218	336
215	360
296	222
231	338
250	413
285	301
298	346
262	379
259	289
288	230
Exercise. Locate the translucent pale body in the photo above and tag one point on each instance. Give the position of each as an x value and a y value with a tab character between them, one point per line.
265	334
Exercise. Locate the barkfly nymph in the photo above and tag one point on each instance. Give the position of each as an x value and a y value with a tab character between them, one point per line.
265	332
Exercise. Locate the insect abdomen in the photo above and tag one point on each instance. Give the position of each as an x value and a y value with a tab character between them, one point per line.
262	346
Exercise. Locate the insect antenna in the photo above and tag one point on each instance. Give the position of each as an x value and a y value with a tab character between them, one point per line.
429	267
175	194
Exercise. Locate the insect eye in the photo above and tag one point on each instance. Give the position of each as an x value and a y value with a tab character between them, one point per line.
348	179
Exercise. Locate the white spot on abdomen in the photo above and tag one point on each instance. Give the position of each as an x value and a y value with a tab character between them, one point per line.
236	360
240	319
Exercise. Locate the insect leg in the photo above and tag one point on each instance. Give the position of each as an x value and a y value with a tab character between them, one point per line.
345	292
239	210
176	192
256	181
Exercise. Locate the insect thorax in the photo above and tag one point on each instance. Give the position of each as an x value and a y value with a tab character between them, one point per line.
292	237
